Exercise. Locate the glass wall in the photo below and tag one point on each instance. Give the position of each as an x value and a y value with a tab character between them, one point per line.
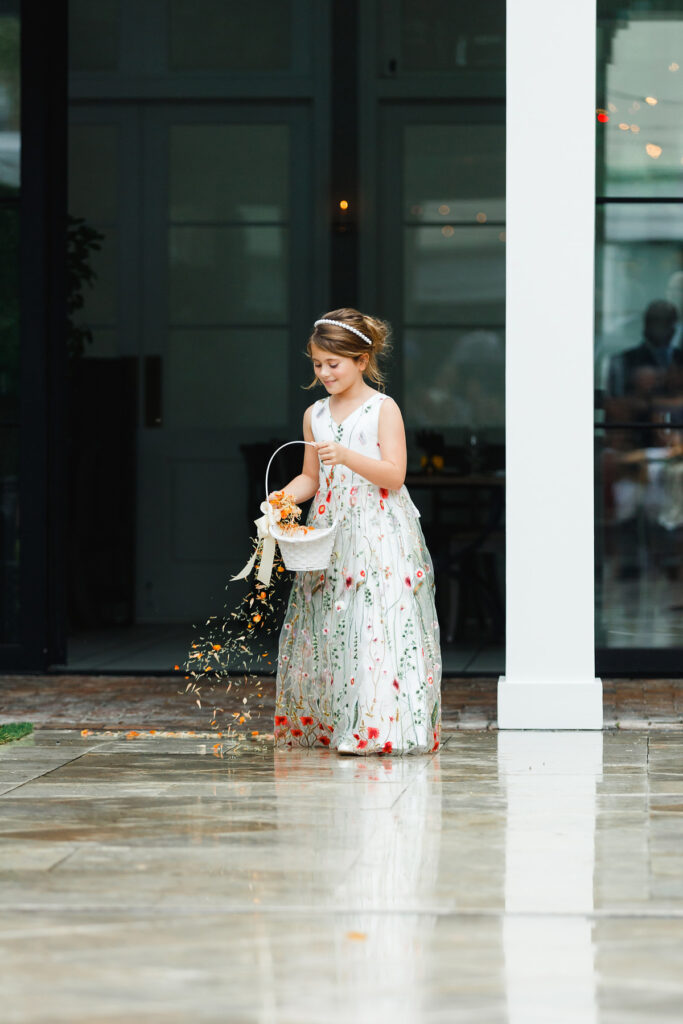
9	317
191	159
454	274
440	189
205	140
639	331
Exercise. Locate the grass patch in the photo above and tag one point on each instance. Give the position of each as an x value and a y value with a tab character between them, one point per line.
14	731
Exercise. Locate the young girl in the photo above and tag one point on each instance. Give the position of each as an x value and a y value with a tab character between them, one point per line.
359	665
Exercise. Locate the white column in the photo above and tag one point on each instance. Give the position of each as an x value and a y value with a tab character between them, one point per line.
550	665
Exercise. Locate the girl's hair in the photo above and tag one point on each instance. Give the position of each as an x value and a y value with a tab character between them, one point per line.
340	342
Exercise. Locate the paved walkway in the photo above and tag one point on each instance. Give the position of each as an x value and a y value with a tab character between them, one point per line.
155	702
510	878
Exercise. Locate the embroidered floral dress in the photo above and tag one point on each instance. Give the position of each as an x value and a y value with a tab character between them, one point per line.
359	662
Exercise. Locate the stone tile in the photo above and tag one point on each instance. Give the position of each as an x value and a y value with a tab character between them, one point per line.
527	877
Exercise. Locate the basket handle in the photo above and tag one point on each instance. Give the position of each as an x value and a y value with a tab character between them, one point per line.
279	450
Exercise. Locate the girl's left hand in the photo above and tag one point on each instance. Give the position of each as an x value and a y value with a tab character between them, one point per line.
331	453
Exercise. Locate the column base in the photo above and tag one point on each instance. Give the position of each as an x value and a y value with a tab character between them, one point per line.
560	705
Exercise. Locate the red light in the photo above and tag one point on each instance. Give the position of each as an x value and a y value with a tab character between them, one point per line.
602	118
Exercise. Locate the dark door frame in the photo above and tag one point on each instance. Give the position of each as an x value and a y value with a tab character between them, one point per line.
42	371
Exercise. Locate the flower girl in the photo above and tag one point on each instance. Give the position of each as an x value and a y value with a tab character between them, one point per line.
359	662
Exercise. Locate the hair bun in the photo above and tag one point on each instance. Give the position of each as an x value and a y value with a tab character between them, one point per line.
379	331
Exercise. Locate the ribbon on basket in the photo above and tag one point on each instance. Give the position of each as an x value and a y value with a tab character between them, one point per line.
265	546
265	540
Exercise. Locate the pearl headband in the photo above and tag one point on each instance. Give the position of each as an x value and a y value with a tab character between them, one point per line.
340	323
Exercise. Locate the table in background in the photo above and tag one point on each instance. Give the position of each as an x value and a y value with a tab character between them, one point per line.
464	552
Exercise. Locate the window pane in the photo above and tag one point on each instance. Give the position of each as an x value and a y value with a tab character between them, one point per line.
641	75
93	172
639	450
9	98
9	428
94	35
454	275
229	172
454	172
454	377
9	317
10	549
230	35
100	305
219	275
639	260
439	35
227	378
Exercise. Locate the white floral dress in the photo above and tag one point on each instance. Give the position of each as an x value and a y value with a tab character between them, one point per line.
359	661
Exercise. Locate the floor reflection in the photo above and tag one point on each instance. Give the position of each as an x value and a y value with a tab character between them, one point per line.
387	810
550	781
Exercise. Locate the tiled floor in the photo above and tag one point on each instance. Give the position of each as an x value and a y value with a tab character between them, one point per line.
517	877
159	702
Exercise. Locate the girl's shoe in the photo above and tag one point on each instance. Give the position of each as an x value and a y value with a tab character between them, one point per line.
347	747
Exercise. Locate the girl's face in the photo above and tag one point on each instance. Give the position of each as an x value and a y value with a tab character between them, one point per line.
336	373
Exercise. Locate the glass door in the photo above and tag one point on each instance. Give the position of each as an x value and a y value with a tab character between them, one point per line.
441	263
225	290
639	340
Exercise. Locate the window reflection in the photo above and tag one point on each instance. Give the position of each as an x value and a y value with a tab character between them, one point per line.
208	36
9	97
442	36
640	441
639	326
456	378
10	549
454	274
640	81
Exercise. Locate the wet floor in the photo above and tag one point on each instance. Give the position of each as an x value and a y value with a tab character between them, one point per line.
518	877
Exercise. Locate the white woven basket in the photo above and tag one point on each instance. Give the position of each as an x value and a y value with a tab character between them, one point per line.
301	552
